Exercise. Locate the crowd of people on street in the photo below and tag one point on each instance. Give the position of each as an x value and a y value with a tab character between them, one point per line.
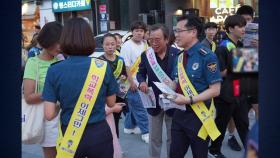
157	80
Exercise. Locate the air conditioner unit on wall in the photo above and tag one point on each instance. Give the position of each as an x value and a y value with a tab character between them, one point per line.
146	18
158	16
143	17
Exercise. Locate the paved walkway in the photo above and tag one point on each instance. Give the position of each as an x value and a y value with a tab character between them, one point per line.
134	147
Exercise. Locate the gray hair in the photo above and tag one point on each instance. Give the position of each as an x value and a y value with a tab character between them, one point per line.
162	27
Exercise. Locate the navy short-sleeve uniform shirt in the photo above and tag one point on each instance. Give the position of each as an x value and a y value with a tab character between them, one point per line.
65	81
202	67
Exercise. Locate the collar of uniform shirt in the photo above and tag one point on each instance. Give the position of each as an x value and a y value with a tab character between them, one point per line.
193	49
74	57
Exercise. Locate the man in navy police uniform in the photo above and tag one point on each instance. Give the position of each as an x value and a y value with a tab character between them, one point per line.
201	66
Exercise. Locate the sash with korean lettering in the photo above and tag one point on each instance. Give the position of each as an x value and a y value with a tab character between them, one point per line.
161	75
119	68
134	68
82	110
205	116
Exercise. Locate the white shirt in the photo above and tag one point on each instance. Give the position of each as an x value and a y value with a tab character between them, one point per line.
130	51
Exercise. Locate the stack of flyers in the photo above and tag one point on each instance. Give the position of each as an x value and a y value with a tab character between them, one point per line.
251	33
167	104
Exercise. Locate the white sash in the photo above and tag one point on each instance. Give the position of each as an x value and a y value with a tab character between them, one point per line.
161	75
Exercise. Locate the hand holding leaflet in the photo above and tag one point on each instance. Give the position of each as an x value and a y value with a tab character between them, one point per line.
149	99
167	104
165	99
164	88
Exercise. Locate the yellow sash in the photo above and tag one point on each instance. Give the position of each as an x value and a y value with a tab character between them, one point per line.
205	116
82	110
117	52
213	46
134	68
239	64
119	68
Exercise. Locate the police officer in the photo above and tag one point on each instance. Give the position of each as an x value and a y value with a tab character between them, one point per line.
65	82
201	67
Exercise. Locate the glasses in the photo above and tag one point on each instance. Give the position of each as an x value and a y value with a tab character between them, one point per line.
179	31
156	40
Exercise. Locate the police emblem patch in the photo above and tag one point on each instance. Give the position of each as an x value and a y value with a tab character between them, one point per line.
195	66
212	67
69	143
99	63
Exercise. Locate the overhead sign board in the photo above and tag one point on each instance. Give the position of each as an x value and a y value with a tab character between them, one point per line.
70	5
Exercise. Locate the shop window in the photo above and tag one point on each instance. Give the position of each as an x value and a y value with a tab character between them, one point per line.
87	14
66	16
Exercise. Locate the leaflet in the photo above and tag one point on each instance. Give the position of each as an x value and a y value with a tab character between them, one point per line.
148	99
123	88
251	33
167	104
164	88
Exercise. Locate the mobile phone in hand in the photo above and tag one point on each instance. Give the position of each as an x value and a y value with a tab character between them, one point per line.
122	104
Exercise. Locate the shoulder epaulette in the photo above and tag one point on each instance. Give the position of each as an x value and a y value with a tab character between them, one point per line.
203	51
56	62
100	58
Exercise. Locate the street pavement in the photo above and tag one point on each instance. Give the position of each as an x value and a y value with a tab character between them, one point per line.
134	147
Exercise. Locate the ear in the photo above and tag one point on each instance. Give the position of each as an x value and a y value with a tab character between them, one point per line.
166	40
194	31
230	29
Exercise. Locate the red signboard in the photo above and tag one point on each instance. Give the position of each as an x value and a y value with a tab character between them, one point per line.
102	9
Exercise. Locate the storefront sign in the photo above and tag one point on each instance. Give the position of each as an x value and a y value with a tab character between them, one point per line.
103	18
70	5
220	14
103	26
102	9
221	3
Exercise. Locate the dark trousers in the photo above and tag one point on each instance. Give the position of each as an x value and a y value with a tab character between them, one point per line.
117	117
239	111
184	130
97	141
